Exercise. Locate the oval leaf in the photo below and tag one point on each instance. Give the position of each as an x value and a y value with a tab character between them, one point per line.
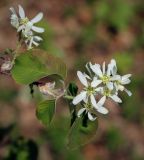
80	135
45	111
36	64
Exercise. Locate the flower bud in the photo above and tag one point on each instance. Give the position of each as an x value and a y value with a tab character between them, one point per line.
50	89
6	66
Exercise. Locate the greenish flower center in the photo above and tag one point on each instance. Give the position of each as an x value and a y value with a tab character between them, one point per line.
88	106
24	21
107	92
105	79
90	90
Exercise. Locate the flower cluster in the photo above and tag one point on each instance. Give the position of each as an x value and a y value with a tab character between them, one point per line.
26	27
100	82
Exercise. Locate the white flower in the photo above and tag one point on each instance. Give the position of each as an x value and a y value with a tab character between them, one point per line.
26	25
90	109
32	40
110	83
105	75
88	91
111	93
120	81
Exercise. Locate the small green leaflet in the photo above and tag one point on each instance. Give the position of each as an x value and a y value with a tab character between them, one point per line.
45	111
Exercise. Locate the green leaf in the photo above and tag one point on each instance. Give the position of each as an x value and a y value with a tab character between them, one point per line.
80	135
45	111
73	89
36	64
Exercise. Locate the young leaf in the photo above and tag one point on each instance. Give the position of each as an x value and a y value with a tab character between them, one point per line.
36	64
45	111
80	135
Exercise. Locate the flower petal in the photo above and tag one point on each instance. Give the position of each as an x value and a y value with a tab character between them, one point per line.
109	69
125	79
115	78
81	111
12	10
99	89
82	78
128	92
116	98
102	110
110	85
88	68
96	69
101	101
91	118
37	18
79	97
21	12
37	38
93	101
38	29
126	76
95	82
20	28
103	67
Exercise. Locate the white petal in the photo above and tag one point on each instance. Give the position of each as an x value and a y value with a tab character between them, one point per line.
113	62
93	101
35	43
110	85
125	81
37	18
82	78
101	101
126	76
37	38
96	69
99	89
38	29
20	28
81	111
88	77
115	78
79	97
120	87
21	12
88	69
95	82
128	92
91	118
109	69
30	44
116	98
114	70
102	110
12	10
103	67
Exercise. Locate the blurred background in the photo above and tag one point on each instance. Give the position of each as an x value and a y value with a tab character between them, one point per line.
78	31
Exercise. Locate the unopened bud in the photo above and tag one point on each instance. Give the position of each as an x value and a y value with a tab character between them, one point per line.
6	66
